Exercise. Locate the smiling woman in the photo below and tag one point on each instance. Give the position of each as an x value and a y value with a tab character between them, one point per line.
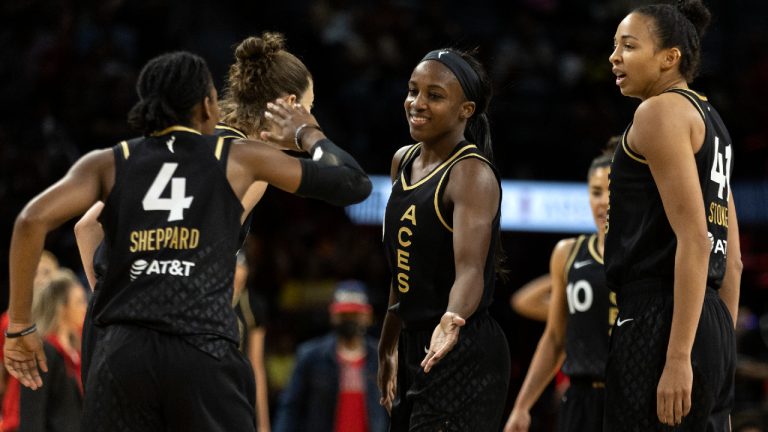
446	357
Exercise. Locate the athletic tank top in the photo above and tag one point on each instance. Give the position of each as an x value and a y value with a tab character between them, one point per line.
418	239
640	244
591	311
231	133
171	226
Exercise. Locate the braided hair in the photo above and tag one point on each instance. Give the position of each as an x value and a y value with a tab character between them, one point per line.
169	86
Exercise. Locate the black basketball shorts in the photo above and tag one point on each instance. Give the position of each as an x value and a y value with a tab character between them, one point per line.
581	409
638	354
465	392
141	380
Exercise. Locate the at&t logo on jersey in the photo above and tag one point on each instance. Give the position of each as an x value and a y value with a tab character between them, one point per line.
160	267
717	245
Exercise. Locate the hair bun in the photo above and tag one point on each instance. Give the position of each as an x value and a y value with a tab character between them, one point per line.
697	13
260	48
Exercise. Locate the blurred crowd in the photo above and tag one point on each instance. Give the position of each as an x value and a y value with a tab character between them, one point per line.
67	75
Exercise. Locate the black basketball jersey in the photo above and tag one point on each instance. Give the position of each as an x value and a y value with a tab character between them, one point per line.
640	244
591	311
171	226
231	133
418	239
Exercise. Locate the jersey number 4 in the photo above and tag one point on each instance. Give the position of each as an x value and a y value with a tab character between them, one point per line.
721	173
177	203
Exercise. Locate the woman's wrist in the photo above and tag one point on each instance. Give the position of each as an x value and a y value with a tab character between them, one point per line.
305	134
12	333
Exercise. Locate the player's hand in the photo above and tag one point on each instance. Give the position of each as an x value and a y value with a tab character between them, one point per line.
444	338
519	421
387	379
673	394
285	119
23	356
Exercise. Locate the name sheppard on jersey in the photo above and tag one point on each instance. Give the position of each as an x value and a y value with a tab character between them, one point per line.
178	238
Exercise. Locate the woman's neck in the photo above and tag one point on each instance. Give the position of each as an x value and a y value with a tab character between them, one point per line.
664	85
435	152
601	242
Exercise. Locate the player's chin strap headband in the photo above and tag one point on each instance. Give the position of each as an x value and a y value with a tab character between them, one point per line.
468	78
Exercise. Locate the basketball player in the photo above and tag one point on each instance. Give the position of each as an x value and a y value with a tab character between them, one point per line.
262	72
672	245
581	313
443	361
171	221
243	111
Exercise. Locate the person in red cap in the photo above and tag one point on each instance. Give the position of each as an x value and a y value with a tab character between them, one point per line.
333	386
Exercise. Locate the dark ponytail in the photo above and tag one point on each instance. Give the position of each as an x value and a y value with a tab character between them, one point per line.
169	86
478	126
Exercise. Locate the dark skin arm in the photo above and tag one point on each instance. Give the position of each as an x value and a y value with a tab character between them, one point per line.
253	161
474	194
89	180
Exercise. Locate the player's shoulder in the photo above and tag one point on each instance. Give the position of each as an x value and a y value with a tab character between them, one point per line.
565	246
665	108
399	156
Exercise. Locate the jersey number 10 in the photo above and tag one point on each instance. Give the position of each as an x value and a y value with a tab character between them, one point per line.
177	203
580	296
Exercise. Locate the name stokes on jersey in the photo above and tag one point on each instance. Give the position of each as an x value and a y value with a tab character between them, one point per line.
404	234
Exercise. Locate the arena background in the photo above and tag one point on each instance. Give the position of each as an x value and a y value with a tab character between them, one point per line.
67	75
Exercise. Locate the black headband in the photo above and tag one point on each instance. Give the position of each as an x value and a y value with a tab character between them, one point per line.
468	78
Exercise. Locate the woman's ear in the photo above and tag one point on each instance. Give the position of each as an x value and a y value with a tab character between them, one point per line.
467	109
207	108
671	58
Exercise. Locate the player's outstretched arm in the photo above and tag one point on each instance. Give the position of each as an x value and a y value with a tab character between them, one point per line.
331	174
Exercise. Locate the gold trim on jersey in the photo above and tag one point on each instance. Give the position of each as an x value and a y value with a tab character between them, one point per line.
126	151
238	132
698	95
695	101
219	146
572	257
440	183
176	128
592	245
630	152
434	171
409	152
